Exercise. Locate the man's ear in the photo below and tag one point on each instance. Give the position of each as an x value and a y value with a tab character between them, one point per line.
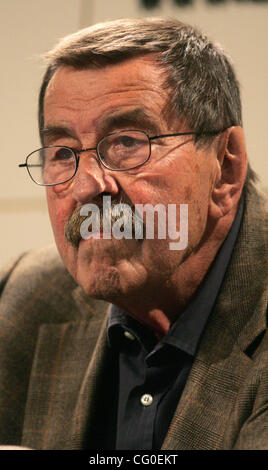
231	172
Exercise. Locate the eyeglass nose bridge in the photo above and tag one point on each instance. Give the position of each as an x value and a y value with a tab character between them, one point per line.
77	153
86	150
99	158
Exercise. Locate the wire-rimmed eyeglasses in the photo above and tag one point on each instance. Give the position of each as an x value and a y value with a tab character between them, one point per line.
119	151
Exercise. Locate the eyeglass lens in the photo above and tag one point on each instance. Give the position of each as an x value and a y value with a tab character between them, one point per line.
51	165
124	150
118	151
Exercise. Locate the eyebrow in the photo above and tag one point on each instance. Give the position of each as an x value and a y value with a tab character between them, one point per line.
137	118
56	131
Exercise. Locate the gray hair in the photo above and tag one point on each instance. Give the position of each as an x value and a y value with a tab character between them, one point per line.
200	79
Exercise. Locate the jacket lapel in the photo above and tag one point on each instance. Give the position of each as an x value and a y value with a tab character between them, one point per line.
62	385
88	418
239	317
202	414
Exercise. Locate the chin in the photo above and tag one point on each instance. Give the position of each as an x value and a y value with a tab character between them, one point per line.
103	284
97	268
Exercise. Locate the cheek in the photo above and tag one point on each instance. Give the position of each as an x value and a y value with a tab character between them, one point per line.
182	184
175	188
59	208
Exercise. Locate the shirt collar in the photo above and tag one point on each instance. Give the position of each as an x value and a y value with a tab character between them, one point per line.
186	332
119	322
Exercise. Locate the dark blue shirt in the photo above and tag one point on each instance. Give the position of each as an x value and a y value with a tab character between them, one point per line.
152	374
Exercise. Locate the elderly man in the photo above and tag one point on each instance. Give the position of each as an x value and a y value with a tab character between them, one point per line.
140	112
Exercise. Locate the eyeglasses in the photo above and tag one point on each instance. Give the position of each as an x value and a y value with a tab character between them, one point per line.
118	151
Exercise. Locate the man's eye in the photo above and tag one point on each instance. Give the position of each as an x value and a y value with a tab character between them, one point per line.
127	141
63	154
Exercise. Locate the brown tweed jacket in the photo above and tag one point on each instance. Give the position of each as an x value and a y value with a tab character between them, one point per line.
54	354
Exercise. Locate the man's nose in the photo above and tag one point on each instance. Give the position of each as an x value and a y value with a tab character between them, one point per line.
92	179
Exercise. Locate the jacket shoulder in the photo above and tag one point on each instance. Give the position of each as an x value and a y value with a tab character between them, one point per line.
36	289
37	282
35	262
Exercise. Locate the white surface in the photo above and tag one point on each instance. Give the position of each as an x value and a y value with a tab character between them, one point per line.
28	28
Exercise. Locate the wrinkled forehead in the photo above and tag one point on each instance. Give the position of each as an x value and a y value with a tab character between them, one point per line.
129	92
134	71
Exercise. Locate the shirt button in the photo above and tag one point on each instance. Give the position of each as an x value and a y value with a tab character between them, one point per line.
129	335
146	399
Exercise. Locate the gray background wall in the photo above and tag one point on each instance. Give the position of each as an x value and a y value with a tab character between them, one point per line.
30	27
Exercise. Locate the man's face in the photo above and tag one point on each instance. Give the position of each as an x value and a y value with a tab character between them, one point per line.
80	108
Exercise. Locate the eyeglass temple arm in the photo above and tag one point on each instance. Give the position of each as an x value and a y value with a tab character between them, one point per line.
26	164
188	133
171	135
